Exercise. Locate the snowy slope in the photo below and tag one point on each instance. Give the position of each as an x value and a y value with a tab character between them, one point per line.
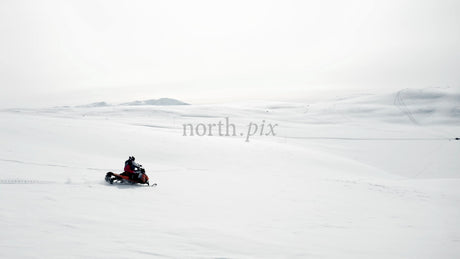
359	177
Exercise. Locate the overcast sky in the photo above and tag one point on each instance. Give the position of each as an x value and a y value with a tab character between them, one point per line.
199	51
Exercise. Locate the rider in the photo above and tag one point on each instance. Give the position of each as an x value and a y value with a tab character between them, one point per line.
132	168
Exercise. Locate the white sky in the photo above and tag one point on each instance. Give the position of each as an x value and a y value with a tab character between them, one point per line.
71	52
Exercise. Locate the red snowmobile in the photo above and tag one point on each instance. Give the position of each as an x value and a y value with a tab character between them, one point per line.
128	178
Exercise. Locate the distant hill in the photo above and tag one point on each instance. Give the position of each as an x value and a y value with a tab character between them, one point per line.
161	101
96	104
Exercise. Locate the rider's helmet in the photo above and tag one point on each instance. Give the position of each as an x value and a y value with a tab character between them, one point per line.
133	158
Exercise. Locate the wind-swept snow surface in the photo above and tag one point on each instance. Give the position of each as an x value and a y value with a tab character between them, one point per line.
362	177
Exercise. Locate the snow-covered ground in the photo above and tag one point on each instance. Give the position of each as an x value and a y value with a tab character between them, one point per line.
375	176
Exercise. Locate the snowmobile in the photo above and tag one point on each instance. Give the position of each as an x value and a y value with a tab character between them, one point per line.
128	178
